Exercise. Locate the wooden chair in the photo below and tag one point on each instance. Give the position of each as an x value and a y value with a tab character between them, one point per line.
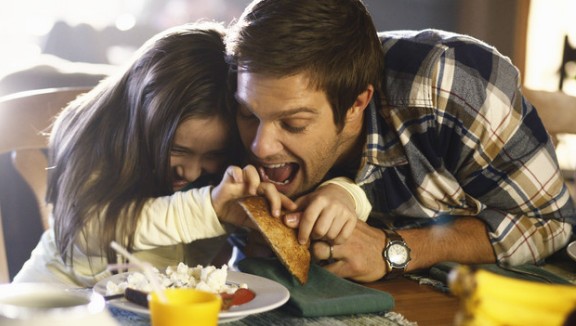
556	109
558	113
25	119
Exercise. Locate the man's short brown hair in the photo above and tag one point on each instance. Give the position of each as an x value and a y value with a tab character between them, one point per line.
334	42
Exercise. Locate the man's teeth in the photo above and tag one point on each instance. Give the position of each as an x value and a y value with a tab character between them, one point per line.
279	183
275	166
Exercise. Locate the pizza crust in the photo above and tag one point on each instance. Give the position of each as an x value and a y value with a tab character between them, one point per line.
283	240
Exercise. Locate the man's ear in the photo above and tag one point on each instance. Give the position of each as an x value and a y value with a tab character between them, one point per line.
360	104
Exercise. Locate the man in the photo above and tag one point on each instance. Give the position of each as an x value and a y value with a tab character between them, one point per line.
431	125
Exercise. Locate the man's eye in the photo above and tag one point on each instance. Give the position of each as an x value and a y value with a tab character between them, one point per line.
294	129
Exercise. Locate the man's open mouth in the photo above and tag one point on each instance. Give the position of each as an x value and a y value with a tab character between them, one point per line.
279	174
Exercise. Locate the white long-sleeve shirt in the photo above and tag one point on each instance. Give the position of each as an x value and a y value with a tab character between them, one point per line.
166	225
182	227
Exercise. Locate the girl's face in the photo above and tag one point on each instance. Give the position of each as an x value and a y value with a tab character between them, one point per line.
199	149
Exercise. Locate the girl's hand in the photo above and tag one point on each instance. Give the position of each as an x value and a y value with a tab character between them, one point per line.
238	183
328	214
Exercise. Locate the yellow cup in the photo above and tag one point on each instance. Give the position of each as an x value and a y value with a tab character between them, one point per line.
184	307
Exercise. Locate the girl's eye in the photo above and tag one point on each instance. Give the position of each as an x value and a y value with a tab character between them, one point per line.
177	151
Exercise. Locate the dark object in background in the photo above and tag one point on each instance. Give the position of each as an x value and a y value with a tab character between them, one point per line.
568	55
25	232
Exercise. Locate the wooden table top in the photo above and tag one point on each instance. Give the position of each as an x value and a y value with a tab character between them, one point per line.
420	303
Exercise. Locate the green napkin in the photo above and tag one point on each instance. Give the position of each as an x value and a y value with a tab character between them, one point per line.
325	294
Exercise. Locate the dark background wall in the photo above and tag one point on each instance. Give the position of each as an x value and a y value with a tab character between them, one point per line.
493	21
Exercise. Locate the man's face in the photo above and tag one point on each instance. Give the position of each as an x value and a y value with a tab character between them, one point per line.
288	128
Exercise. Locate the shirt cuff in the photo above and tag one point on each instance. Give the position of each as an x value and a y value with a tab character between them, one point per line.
361	203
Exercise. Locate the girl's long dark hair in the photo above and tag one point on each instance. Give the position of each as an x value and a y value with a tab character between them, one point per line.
110	149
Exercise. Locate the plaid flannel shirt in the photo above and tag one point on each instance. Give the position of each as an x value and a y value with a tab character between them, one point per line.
449	134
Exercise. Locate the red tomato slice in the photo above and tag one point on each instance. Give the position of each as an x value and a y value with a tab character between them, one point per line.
241	296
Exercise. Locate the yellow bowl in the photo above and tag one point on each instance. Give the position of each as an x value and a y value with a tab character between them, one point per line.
184	307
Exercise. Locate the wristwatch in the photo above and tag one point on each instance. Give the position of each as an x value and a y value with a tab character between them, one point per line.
396	254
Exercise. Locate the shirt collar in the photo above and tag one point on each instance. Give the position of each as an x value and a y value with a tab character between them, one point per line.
383	147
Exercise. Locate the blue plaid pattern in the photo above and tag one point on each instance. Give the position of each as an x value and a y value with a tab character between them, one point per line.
449	134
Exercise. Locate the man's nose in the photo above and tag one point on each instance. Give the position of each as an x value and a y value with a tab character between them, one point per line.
265	142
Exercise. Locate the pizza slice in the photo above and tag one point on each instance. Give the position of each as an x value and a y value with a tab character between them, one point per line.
283	240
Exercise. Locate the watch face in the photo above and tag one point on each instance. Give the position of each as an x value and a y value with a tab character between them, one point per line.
397	254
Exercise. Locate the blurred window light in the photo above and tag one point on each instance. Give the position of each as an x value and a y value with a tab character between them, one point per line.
118	54
39	26
99	13
125	22
549	21
22	54
35	25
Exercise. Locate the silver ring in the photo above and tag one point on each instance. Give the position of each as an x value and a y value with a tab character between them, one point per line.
330	257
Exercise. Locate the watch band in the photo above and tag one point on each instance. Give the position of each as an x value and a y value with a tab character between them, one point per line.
393	270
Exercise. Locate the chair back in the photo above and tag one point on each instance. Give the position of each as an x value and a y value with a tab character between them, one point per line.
556	109
25	119
558	113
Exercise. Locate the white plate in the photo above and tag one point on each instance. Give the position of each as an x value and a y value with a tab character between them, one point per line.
269	295
571	250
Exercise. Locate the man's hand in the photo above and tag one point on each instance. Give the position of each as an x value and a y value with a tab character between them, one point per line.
360	258
464	240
